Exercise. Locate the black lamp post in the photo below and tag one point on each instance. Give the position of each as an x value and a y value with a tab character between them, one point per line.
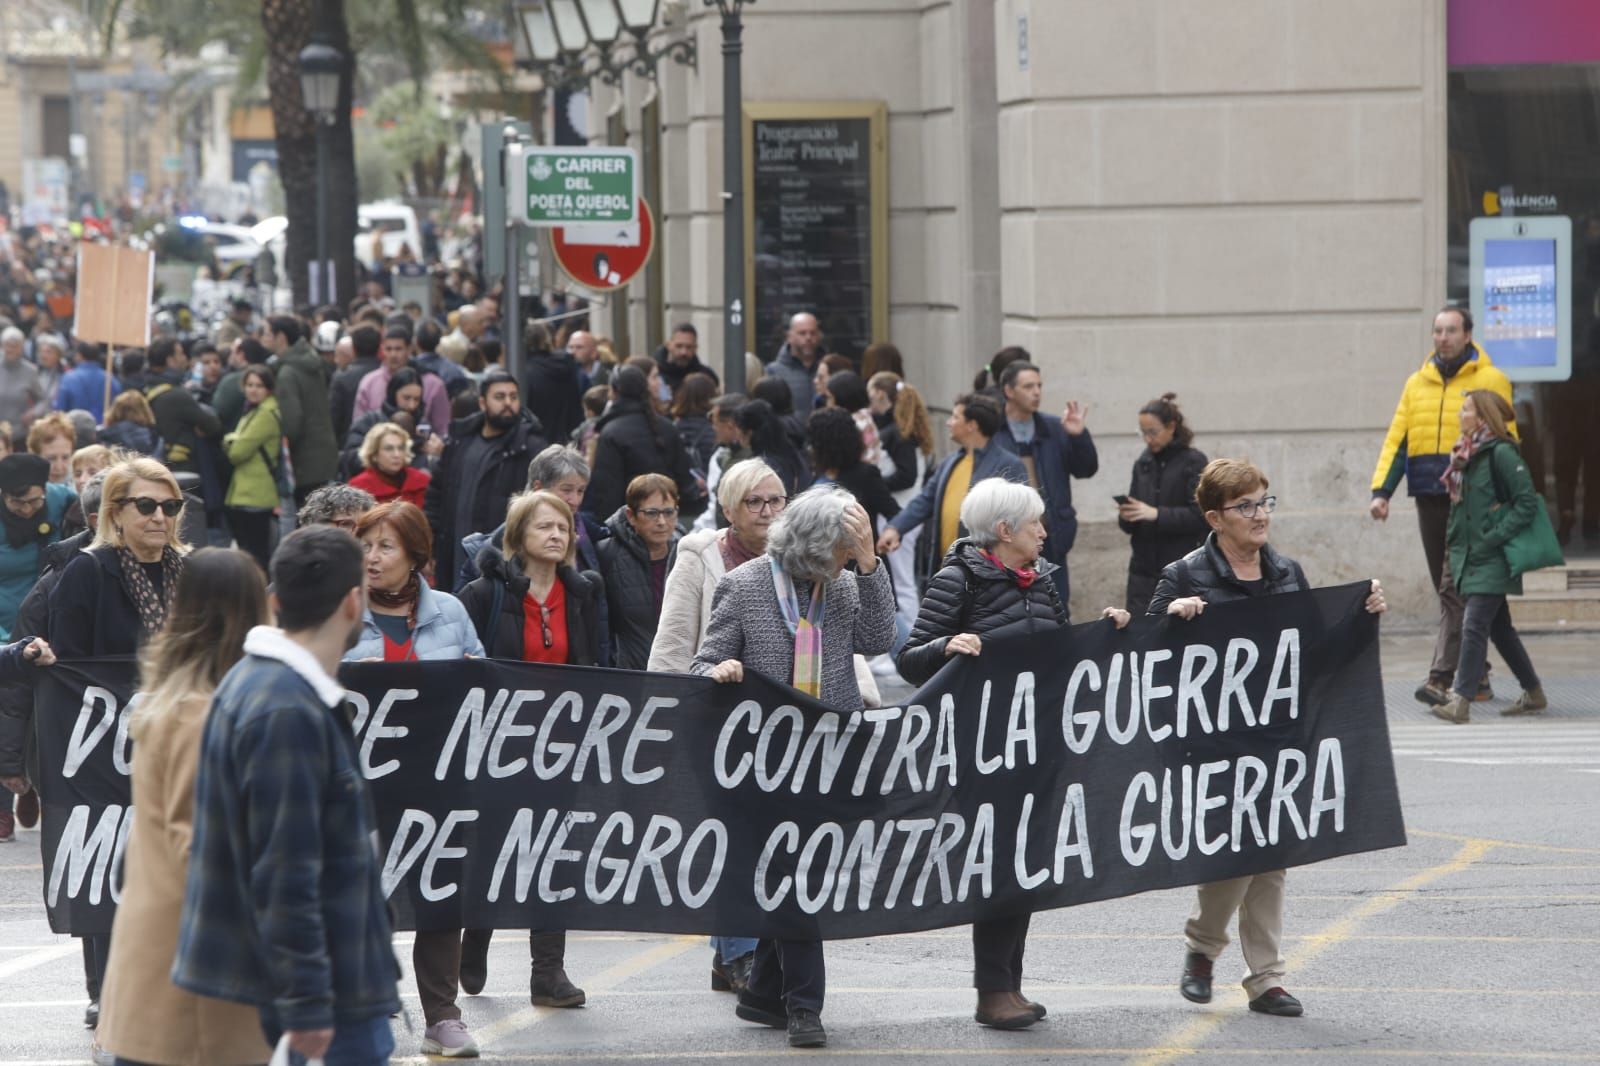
320	68
733	343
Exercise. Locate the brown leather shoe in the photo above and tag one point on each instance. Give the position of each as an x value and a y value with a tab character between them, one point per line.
1002	1010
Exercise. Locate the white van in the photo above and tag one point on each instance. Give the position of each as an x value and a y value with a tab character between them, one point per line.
395	221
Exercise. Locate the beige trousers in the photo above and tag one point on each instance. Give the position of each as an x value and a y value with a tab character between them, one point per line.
1259	902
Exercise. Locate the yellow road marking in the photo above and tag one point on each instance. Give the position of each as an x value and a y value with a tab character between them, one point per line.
1189	1038
1519	845
1365	937
605	981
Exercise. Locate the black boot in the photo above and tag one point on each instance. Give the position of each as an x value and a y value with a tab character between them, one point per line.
475	959
548	986
1196	983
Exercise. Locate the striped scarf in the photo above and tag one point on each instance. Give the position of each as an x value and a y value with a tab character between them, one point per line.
1460	456
807	630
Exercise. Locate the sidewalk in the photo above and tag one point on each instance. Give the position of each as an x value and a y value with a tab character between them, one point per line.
1568	664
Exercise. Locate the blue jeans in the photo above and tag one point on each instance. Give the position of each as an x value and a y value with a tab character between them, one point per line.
733	947
368	1042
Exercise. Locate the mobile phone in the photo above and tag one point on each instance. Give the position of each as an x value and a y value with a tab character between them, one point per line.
1121	500
425	430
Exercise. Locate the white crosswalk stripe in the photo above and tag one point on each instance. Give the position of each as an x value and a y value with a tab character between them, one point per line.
1569	746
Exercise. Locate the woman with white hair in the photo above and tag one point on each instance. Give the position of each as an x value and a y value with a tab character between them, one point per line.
752	496
993	584
794	615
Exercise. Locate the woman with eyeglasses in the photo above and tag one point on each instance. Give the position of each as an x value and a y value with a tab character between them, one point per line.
752	497
406	621
635	562
116	595
532	604
1236	563
251	504
1159	513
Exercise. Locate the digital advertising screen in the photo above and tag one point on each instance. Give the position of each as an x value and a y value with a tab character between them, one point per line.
1519	302
1521	281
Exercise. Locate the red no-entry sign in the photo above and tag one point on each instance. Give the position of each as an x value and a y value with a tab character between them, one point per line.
606	256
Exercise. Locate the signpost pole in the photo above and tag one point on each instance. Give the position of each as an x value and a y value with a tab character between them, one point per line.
732	202
511	305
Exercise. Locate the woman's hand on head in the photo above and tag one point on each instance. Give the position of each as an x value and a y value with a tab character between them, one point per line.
1187	607
727	672
858	536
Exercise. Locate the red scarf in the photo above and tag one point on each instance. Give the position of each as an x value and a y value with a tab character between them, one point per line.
1460	456
734	553
1023	578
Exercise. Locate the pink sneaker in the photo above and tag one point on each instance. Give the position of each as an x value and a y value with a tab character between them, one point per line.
450	1040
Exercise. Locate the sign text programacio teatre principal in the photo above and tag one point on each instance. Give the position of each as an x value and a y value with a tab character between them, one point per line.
562	186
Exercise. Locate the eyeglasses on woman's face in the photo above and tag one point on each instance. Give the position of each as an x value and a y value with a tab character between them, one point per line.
147	505
1250	508
658	514
761	504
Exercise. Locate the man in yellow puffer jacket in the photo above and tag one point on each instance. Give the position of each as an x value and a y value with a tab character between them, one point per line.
1425	427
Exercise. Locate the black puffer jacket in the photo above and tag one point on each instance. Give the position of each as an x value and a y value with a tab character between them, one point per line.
1205	572
630	603
583	589
18	751
1166	480
970	594
635	441
500	476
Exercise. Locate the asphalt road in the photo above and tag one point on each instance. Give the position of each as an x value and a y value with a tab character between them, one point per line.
1477	942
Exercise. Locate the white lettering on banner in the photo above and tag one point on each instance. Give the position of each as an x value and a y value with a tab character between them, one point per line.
403	852
440	851
1149	689
558	853
830	835
377	731
661	838
880	717
714	830
985	766
618	822
1184	811
905	751
122	746
767	779
1137	840
749	711
833	743
1020	860
980	856
525	847
945	838
1072	835
1019	730
944	743
89	855
494	737
97	714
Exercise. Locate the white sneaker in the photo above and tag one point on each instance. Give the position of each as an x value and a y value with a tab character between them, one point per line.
450	1040
883	666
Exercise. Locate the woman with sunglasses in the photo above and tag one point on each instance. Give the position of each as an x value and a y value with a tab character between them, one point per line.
1236	563
252	501
116	595
531	604
407	621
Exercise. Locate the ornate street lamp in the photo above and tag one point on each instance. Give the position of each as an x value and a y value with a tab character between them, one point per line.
321	66
546	47
733	296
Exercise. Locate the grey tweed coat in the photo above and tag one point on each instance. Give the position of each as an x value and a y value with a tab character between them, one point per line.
747	625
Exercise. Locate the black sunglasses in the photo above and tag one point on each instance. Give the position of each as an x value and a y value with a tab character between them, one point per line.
147	506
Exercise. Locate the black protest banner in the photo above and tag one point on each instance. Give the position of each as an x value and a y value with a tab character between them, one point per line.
1050	771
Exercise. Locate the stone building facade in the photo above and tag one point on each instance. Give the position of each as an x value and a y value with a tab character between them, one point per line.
1240	201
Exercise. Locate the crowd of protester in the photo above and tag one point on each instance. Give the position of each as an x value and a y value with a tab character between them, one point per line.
410	499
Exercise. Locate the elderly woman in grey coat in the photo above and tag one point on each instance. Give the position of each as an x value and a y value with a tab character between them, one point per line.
796	616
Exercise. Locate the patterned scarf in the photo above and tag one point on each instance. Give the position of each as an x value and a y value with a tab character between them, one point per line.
1460	456
409	596
733	551
807	630
142	591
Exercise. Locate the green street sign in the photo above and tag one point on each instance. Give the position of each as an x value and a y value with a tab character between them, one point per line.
573	186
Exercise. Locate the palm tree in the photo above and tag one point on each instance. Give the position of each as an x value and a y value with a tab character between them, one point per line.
271	34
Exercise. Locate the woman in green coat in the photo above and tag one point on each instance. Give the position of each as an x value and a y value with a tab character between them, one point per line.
1492	501
253	449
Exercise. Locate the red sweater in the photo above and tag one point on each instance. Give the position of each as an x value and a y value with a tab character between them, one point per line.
412	490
